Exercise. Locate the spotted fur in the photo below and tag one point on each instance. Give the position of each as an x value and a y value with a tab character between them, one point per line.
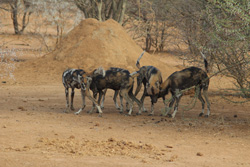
79	79
181	80
119	80
151	78
115	94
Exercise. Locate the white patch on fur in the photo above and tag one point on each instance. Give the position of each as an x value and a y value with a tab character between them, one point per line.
100	71
204	57
178	93
140	56
79	78
66	73
133	73
78	112
99	109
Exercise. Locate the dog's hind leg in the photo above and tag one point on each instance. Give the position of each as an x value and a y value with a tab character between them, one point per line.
124	94
142	100
103	99
208	103
139	85
114	98
121	102
101	94
132	96
198	92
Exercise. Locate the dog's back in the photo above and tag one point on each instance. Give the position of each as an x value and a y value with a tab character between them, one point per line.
189	77
69	78
115	78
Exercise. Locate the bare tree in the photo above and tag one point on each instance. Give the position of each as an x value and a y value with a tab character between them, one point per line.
147	21
18	8
103	10
60	16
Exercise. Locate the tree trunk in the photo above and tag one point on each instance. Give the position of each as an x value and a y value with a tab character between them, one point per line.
14	10
114	9
148	40
14	15
161	46
80	5
102	10
122	13
99	9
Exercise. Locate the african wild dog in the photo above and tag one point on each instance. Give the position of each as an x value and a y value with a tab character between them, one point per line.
115	94
181	80
151	78
118	80
78	78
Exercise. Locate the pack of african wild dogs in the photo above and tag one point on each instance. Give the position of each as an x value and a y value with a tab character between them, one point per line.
122	82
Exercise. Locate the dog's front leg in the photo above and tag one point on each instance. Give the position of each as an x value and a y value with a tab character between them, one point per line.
169	107
95	102
83	102
152	109
67	100
72	99
121	103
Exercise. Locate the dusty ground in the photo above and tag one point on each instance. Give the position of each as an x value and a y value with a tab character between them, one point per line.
34	130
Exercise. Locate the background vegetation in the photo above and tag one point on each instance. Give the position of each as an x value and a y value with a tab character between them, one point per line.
218	29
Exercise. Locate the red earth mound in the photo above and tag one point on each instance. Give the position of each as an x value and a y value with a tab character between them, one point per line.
89	45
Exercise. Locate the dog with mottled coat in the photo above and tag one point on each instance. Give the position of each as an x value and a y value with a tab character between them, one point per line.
115	69
79	79
179	81
151	78
119	80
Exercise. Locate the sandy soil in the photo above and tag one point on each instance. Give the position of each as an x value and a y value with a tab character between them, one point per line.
35	132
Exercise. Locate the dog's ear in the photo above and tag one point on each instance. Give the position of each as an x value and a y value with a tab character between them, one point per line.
89	81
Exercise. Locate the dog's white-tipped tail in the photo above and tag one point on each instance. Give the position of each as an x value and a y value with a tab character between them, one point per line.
138	60
205	61
134	74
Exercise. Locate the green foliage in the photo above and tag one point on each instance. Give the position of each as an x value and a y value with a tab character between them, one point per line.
226	36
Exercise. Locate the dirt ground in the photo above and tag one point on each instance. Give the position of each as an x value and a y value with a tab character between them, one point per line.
35	132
